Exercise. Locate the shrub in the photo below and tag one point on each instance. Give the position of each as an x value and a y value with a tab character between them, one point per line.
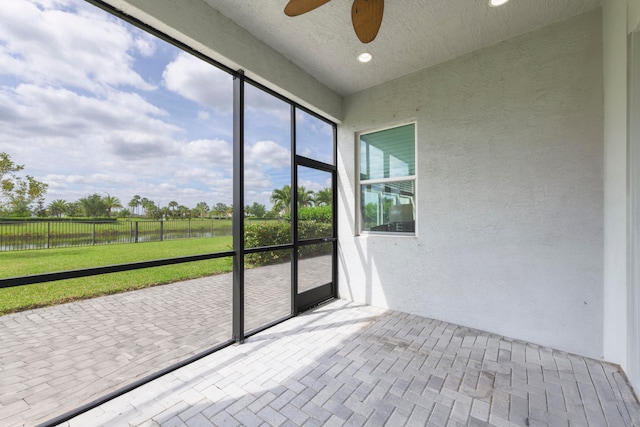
322	214
279	233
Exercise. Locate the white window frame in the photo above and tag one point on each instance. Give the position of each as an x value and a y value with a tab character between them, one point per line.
359	182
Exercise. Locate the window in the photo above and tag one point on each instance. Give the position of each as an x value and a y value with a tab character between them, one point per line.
387	180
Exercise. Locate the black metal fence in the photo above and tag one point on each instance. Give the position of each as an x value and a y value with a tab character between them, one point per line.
21	235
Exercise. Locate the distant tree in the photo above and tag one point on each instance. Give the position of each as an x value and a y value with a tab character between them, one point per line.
134	203
40	210
74	209
111	202
19	195
323	197
93	205
184	212
173	208
281	199
219	210
58	207
257	210
202	209
305	197
151	210
124	213
165	212
144	203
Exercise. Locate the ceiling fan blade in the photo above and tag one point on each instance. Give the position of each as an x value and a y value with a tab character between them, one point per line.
366	16
298	7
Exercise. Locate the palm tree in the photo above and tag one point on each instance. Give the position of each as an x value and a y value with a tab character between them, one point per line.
150	208
144	202
153	211
134	203
166	212
323	197
202	209
305	197
281	199
184	211
173	205
111	202
58	207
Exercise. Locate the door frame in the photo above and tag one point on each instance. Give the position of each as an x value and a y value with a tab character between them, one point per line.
308	299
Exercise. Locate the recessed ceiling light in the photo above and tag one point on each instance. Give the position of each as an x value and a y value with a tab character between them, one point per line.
496	3
365	57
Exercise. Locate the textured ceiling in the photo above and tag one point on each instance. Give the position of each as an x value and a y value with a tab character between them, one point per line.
415	34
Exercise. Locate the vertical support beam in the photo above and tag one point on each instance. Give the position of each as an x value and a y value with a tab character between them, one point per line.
614	39
633	280
294	216
238	207
334	213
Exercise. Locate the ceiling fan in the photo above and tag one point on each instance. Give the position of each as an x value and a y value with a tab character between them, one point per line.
366	15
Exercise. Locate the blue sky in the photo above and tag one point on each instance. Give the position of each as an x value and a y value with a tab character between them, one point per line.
90	104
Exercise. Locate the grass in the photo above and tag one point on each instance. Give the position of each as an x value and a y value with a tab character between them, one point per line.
40	234
21	263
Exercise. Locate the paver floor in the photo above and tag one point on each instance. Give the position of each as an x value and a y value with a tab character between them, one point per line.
347	364
58	358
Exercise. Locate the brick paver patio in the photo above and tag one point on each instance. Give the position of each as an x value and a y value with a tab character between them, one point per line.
341	364
58	358
347	364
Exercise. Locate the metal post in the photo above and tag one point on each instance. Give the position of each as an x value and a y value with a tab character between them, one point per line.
93	233
334	213
48	234
161	230
238	203
136	235
293	209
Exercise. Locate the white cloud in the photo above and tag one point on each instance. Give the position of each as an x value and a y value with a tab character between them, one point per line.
78	46
145	44
261	102
46	115
76	112
200	82
217	151
267	154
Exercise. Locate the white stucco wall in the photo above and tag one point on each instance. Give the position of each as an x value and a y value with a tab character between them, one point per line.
615	180
202	28
510	190
621	145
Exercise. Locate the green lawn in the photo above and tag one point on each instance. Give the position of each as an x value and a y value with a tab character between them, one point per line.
21	263
57	234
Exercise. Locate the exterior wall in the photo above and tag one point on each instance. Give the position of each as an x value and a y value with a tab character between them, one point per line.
510	190
202	28
622	191
615	180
